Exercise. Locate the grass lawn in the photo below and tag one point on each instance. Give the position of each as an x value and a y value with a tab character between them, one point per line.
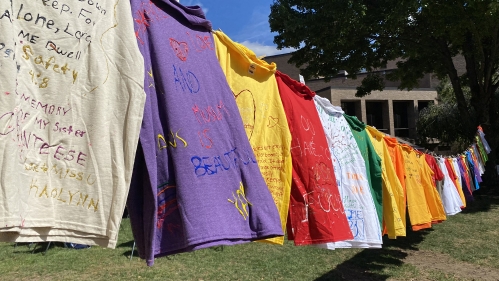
465	247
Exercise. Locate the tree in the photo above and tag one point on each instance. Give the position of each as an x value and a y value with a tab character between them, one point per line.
333	35
437	121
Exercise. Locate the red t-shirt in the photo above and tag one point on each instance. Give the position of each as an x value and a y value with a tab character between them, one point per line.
437	173
316	213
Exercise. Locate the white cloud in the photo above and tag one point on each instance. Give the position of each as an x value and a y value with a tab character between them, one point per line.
194	3
265	50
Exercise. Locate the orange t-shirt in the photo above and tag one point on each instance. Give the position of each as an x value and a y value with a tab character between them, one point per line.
395	151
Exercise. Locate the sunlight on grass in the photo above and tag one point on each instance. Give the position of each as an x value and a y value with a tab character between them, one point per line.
470	238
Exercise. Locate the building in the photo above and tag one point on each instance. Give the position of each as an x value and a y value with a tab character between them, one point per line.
391	111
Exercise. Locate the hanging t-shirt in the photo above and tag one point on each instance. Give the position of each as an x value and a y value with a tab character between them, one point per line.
437	172
469	174
431	194
393	194
450	197
476	157
419	212
459	180
316	213
474	167
465	180
255	89
481	150
372	161
203	181
481	134
455	180
351	176
71	104
395	151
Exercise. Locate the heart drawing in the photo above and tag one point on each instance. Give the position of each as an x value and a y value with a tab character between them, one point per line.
181	49
247	107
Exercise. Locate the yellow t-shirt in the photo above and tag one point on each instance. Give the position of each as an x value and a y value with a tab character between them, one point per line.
419	212
457	179
432	197
255	89
393	194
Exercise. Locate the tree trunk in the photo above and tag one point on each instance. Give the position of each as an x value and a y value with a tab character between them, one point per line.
491	129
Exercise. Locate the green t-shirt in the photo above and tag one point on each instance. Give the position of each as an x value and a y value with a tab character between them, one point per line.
373	162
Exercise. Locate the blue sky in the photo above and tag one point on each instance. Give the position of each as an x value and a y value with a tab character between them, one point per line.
246	22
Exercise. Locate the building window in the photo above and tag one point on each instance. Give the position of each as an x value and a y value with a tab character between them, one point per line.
349	108
424	104
374	115
401	118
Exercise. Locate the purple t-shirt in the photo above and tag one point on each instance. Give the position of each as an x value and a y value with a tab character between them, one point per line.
200	185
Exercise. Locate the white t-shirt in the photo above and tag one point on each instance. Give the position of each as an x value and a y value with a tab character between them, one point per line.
71	105
351	175
450	197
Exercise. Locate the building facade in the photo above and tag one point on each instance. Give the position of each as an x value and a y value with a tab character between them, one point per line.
391	111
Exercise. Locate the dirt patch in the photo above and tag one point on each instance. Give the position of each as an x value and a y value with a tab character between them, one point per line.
425	260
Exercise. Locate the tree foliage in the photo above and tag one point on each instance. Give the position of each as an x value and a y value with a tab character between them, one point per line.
426	35
440	121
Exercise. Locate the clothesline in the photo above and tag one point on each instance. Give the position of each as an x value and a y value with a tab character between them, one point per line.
206	143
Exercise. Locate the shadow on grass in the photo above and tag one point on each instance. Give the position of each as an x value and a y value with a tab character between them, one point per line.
128	253
128	244
483	203
370	263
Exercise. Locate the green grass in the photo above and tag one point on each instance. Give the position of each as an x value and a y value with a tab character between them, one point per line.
458	249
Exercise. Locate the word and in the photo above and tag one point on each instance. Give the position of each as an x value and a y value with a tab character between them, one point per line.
213	164
75	198
50	62
67	173
163	143
241	199
210	114
188	82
